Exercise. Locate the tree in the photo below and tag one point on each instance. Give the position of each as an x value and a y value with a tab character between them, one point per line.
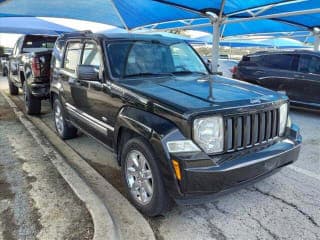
1	50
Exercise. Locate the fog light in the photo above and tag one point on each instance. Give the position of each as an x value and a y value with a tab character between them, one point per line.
177	170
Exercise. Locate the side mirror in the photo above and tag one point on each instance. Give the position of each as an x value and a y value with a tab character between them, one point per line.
87	73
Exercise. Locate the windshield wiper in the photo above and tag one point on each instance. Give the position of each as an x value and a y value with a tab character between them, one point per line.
188	72
143	74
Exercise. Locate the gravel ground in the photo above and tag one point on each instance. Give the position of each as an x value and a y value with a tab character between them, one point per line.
283	206
35	202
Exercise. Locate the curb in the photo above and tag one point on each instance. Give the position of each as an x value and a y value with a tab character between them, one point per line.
104	226
129	222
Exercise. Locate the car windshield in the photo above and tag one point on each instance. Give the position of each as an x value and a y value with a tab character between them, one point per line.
151	58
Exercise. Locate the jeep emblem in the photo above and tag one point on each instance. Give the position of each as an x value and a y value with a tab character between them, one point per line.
254	101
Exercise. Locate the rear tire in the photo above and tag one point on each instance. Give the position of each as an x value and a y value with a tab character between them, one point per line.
64	129
13	90
143	181
31	103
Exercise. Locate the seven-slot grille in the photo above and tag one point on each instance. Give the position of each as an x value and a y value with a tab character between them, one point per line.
250	129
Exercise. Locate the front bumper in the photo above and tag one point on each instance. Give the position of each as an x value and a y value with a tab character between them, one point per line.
202	178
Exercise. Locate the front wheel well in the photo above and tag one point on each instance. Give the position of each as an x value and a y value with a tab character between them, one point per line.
124	135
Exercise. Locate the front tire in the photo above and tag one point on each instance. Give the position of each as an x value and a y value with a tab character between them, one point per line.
142	178
64	129
31	103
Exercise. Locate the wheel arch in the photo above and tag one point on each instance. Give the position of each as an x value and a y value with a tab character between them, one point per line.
133	122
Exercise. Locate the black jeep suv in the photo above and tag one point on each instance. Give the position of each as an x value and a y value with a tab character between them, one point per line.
296	72
147	98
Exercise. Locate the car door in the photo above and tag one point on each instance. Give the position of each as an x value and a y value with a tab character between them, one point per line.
307	79
276	73
93	98
68	79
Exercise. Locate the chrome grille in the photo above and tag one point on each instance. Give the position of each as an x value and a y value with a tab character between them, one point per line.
248	130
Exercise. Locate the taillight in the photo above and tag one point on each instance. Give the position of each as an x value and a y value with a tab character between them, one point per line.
234	69
35	64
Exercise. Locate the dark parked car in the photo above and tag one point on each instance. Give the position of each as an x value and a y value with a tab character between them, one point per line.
146	99
29	68
295	72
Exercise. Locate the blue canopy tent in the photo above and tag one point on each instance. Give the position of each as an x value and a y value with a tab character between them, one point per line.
177	36
266	42
31	25
143	13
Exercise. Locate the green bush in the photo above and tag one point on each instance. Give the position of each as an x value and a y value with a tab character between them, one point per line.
1	50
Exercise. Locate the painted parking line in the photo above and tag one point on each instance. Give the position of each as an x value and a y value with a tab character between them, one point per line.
305	172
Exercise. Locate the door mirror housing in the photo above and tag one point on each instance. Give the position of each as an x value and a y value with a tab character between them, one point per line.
88	73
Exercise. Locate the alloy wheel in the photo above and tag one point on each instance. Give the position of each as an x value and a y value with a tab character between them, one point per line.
139	177
58	118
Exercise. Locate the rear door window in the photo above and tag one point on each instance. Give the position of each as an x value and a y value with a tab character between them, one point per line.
279	61
309	64
72	56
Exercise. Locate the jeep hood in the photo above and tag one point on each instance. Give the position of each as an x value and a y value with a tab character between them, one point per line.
192	93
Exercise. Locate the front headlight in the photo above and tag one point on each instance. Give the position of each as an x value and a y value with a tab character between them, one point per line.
208	133
283	118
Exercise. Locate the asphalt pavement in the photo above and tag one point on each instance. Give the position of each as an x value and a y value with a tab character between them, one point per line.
35	201
283	206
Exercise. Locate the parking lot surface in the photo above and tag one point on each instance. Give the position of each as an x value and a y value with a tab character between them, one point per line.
35	201
283	206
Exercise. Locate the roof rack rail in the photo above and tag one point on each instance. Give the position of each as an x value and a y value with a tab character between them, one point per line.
76	33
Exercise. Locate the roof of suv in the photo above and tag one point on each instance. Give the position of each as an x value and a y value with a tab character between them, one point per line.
122	36
284	52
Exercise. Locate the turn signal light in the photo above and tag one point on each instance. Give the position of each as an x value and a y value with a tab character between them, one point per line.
177	170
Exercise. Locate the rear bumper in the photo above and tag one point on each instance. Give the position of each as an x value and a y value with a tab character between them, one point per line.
40	90
201	183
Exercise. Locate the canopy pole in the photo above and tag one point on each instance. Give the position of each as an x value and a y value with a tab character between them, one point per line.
316	42
216	22
316	34
215	47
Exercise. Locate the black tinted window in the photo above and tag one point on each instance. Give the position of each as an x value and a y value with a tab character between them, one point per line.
38	43
309	64
279	61
72	56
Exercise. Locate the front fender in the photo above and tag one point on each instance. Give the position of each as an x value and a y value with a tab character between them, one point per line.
157	131
143	123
